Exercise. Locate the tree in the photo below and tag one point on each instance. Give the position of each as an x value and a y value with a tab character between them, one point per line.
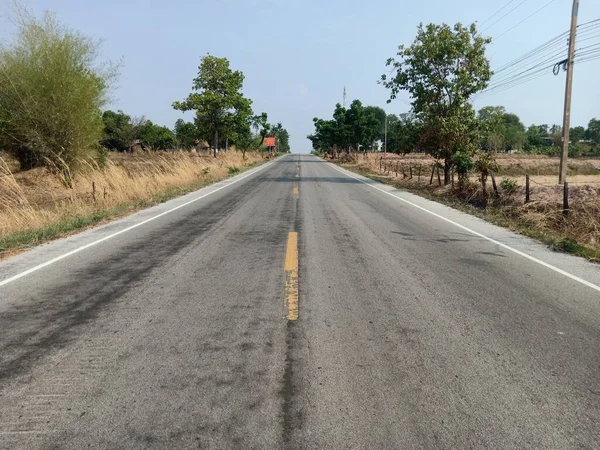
156	137
380	115
593	131
403	133
118	130
577	134
534	137
185	134
354	127
217	99
51	94
514	131
441	70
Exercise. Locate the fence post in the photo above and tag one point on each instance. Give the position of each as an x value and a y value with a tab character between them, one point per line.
432	174
403	173
105	193
452	177
438	175
566	199
396	169
94	190
419	175
410	171
494	184
380	158
527	188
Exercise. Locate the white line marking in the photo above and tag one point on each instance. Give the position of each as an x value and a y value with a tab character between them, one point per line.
475	233
106	238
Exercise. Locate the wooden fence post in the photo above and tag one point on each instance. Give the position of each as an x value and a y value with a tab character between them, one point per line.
432	174
380	158
419	175
105	193
527	188
438	176
410	171
94	190
566	199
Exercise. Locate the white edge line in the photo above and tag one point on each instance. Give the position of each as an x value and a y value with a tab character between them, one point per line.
124	230
473	232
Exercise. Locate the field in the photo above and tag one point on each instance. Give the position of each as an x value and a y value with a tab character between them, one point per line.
39	204
542	217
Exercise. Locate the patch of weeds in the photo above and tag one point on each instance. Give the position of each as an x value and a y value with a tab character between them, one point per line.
233	170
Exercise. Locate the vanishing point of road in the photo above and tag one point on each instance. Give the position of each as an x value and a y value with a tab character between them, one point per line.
299	306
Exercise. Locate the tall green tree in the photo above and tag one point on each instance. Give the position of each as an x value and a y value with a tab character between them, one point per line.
441	70
380	116
576	134
118	130
217	99
593	131
185	134
156	137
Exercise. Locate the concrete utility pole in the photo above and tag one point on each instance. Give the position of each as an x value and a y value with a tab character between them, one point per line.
562	176
385	135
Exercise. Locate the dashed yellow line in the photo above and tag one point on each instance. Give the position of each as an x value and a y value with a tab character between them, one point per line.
291	276
295	190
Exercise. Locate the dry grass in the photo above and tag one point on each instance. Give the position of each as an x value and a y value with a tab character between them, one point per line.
36	204
543	217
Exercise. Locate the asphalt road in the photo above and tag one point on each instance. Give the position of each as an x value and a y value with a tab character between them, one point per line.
418	326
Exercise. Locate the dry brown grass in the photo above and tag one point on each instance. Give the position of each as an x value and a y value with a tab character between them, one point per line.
542	217
38	198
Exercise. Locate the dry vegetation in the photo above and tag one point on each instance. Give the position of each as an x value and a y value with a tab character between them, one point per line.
38	204
578	232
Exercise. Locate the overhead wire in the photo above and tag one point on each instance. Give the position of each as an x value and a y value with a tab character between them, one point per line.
543	57
525	19
484	30
494	15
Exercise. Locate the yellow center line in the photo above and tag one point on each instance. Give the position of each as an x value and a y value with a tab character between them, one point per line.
291	276
295	190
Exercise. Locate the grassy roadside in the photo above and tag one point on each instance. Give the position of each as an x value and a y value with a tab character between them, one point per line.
498	215
80	219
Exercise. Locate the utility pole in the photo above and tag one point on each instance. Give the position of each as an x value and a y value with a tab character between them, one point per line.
385	135
344	97
562	176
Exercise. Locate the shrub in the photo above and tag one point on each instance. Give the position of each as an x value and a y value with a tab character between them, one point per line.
52	91
233	170
509	186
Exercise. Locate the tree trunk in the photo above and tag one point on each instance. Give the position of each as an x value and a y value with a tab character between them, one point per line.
447	167
216	142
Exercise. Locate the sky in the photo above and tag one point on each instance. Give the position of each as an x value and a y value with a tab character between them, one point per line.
297	55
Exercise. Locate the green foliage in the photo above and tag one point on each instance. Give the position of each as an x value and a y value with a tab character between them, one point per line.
463	163
576	134
380	115
52	91
185	134
509	186
156	137
118	130
593	131
233	170
355	127
403	133
485	162
441	70
217	99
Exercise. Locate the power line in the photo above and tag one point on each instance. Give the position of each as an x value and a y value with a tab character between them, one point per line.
591	55
482	31
494	15
586	28
526	18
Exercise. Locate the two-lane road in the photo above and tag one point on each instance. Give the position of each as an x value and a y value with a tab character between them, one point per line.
416	327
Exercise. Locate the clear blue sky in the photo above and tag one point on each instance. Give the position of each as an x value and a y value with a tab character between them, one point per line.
297	55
